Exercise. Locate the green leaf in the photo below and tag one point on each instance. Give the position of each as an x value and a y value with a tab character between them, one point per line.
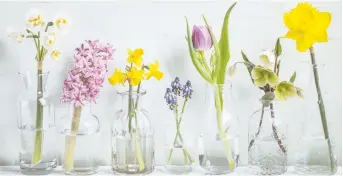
300	92
278	48
217	56
293	77
202	71
224	38
269	96
248	65
28	31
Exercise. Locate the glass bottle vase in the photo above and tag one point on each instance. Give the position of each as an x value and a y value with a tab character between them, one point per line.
267	149
315	153
36	122
178	154
219	144
132	137
81	129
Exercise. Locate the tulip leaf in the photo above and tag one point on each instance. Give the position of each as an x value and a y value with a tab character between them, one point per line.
202	71
250	66
293	77
217	56
278	48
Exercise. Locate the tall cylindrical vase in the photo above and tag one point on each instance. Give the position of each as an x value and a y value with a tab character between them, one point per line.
36	122
219	145
82	140
132	137
267	147
316	150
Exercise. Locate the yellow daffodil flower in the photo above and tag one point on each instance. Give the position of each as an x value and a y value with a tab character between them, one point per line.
306	25
285	90
61	22
118	77
36	21
55	54
135	76
154	71
263	76
135	56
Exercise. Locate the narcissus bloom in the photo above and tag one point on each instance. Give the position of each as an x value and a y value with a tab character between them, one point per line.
154	71
35	21
135	76
49	40
263	76
118	77
61	22
285	90
135	56
55	54
306	25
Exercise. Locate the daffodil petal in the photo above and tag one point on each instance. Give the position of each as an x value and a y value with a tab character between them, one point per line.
293	34
305	43
323	20
322	36
288	21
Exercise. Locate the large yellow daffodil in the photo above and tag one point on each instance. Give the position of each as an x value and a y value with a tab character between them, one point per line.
154	71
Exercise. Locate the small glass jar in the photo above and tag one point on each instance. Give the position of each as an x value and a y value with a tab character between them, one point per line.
36	122
132	137
82	139
267	150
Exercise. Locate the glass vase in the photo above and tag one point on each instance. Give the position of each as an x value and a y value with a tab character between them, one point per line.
178	154
315	154
82	138
219	144
267	149
36	122
132	137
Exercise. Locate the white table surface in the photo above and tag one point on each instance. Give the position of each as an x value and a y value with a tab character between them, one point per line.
106	170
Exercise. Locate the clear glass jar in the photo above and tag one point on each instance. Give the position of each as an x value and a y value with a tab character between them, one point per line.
178	147
219	144
82	140
132	137
267	149
315	153
36	122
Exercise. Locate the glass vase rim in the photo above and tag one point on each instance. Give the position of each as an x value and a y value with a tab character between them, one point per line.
30	72
134	92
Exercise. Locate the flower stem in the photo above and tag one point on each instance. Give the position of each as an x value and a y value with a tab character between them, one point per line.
37	153
322	108
278	140
259	129
132	114
71	140
218	93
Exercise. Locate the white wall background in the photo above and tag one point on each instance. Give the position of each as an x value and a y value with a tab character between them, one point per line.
159	27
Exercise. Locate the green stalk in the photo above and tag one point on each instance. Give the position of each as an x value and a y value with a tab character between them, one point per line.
71	140
218	105
37	153
132	114
322	108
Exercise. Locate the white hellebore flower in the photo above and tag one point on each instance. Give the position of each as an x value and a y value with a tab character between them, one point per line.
55	54
17	36
48	40
267	58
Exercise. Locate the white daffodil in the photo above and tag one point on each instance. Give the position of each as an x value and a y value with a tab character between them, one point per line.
35	21
48	40
55	54
61	22
16	36
267	58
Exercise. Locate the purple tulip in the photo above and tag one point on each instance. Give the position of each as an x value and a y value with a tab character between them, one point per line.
201	38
